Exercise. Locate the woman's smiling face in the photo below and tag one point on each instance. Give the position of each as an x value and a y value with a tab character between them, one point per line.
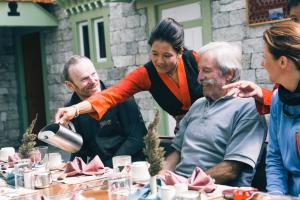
163	56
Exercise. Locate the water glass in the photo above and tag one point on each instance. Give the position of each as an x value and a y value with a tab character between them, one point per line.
55	161
21	167
119	187
122	164
43	151
119	183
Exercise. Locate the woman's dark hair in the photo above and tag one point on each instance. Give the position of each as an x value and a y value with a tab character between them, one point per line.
170	31
283	39
292	3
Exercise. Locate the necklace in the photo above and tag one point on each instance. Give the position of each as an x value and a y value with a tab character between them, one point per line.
170	74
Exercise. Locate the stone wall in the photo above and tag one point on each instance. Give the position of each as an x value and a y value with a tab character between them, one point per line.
58	48
9	118
129	48
229	24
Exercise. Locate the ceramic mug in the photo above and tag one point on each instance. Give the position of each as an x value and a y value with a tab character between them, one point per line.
5	152
167	192
139	171
190	195
180	188
42	179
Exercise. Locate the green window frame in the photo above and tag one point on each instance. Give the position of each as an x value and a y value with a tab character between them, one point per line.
153	10
98	48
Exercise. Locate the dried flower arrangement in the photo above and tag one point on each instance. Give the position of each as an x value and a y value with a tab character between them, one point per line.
28	141
154	153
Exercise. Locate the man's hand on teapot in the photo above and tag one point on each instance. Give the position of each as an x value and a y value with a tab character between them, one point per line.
65	115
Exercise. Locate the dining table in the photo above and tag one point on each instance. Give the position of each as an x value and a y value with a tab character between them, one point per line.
92	190
96	188
58	190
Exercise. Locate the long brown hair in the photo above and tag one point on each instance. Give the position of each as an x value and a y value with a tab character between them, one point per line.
283	39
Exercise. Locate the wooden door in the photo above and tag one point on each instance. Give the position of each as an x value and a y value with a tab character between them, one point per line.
33	76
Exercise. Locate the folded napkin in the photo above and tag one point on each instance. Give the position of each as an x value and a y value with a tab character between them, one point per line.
198	181
78	166
12	159
35	157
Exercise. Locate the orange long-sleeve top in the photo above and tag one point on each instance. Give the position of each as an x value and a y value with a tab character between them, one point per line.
136	81
264	107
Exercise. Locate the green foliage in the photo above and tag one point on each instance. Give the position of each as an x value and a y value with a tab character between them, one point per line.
28	141
154	153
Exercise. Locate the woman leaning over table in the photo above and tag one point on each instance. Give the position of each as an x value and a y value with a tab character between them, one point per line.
282	61
170	76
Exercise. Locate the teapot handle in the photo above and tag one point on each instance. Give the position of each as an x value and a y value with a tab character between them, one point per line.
71	126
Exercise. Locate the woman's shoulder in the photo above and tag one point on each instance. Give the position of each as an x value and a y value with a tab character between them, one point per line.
138	71
192	57
190	53
275	101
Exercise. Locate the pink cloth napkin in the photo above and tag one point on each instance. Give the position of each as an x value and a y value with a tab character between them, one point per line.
198	181
12	159
35	157
78	166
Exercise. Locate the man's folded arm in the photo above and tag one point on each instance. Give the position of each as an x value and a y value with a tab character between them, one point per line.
225	171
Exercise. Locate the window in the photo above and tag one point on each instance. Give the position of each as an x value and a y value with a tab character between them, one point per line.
84	39
90	30
189	14
100	40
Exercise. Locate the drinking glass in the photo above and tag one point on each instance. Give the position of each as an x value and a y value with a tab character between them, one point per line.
119	183
122	164
55	161
119	187
20	168
43	151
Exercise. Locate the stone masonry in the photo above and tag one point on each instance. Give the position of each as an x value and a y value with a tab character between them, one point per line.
58	48
129	48
229	24
9	118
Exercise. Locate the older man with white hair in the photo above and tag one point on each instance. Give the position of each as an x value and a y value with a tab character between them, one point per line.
221	134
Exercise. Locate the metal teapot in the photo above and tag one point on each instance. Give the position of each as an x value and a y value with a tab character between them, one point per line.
61	136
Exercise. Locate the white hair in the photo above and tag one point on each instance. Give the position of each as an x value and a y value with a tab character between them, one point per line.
228	57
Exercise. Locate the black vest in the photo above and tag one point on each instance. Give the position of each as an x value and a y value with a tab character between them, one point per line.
163	95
